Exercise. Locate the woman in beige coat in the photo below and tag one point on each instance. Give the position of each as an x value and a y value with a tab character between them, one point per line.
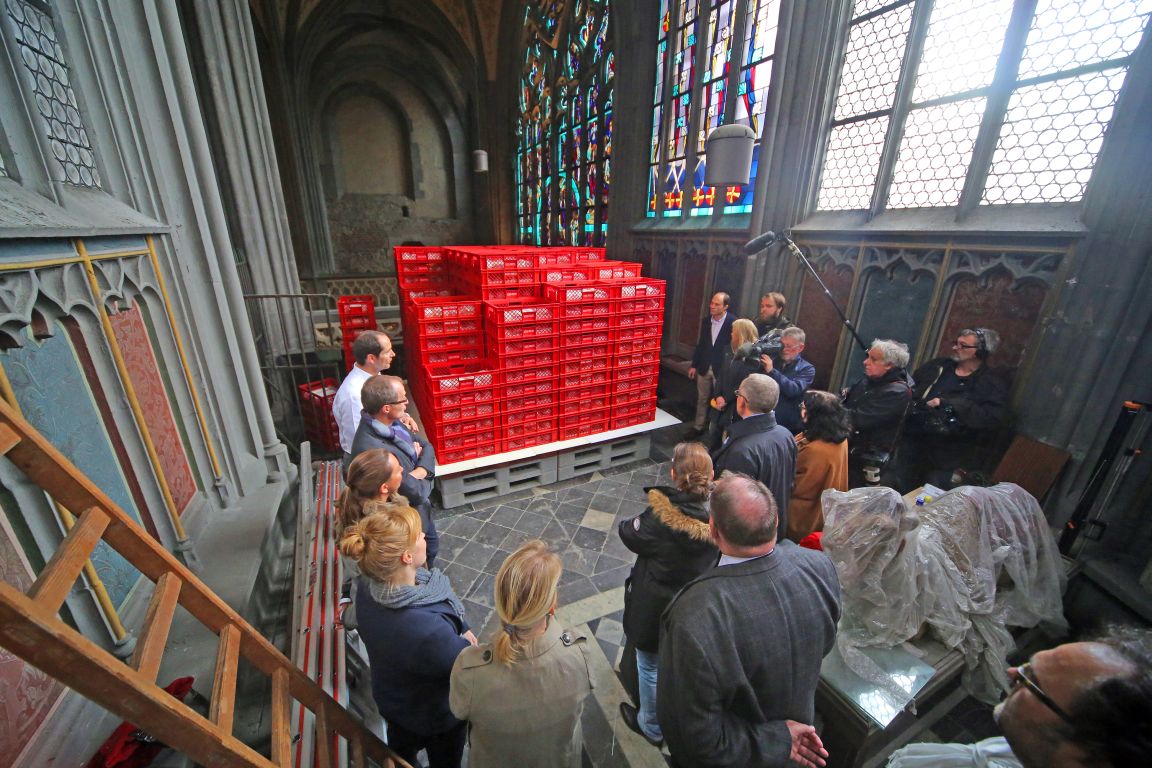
522	694
821	460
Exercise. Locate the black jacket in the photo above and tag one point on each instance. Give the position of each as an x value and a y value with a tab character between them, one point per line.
709	356
735	368
877	409
674	546
979	399
761	448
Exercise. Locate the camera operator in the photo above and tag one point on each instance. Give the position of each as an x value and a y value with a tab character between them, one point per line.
877	404
794	374
960	403
772	313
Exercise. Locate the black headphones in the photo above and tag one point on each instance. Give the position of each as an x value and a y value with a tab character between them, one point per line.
981	343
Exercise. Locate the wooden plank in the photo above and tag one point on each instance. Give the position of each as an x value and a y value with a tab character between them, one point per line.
45	642
56	580
8	438
281	712
323	738
157	623
357	750
223	706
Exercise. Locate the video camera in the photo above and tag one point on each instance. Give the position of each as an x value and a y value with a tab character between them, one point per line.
769	344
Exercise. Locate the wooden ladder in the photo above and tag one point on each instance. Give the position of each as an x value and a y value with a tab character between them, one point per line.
30	628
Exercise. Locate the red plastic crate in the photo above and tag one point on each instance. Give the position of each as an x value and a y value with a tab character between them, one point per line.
601	338
610	270
447	308
517	442
520	346
576	379
442	430
594	322
467	446
499	277
627	346
355	306
499	292
577	367
647	287
408	255
512	392
527	414
503	313
581	424
522	375
444	342
352	325
457	383
579	354
450	326
453	356
595	396
630	414
316	407
630	330
544	358
637	358
639	377
567	293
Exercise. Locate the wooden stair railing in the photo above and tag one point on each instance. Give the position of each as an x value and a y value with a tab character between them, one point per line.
31	629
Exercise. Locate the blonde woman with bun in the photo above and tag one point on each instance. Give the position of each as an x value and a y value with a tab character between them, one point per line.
523	693
412	624
673	546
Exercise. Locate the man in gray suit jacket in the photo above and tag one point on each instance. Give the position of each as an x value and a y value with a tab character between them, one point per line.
741	646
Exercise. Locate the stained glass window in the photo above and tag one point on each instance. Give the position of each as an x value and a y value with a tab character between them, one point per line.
563	170
975	102
690	101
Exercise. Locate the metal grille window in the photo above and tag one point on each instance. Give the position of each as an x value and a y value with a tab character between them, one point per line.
960	103
734	41
72	160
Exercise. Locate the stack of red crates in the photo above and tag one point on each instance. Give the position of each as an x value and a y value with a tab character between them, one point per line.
357	313
569	344
316	407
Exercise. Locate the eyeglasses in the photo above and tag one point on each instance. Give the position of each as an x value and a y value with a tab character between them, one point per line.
741	394
1025	677
398	402
958	345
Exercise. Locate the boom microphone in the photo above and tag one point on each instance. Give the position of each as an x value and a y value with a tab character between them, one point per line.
757	244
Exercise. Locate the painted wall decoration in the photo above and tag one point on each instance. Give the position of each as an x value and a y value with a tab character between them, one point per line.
26	693
45	374
136	347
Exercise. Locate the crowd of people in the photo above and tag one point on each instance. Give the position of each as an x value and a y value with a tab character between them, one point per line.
905	429
729	618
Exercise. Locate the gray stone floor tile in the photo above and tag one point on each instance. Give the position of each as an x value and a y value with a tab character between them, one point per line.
506	515
571	512
515	538
450	545
492	534
579	560
481	591
576	590
598	519
465	526
612	578
532	523
475	555
590	538
608	563
461	577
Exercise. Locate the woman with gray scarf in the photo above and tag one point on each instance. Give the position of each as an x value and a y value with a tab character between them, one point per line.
413	626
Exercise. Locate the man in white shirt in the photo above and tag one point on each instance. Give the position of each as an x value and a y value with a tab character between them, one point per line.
374	355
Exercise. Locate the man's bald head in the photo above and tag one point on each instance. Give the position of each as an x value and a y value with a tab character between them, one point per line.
744	514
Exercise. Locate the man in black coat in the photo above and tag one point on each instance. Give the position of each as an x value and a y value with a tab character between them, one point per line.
878	404
715	339
741	646
756	445
385	403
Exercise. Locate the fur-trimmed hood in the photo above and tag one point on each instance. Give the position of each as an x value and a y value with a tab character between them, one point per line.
677	519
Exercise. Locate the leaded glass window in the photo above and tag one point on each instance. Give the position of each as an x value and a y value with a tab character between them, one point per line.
73	160
734	42
563	161
960	103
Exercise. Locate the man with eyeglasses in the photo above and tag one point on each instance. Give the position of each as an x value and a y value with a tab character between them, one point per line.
793	374
960	403
1078	704
382	425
